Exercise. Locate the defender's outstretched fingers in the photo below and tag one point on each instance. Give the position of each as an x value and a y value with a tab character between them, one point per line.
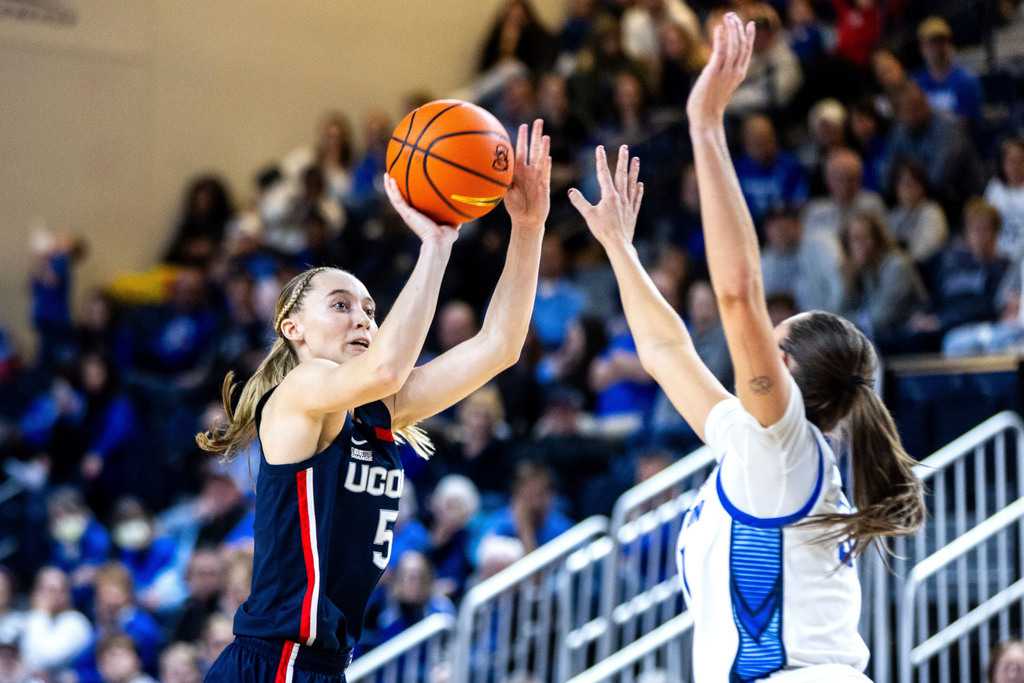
750	44
638	198
577	199
717	50
622	170
634	173
604	176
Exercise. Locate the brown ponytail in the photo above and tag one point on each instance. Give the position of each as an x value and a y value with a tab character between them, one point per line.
835	367
240	430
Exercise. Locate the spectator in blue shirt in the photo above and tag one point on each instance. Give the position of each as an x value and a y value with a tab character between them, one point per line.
412	596
149	558
531	515
559	302
78	542
769	177
55	256
949	87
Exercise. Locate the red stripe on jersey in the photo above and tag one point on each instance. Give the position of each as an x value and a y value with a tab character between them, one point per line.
384	434
282	666
307	552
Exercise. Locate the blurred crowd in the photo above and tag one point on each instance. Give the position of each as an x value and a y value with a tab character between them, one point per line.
886	181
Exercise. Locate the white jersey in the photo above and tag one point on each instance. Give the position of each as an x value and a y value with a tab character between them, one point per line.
766	597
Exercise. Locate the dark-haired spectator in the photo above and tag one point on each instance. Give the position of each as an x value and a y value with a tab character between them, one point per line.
768	176
331	153
477	452
805	36
531	516
54	632
579	24
286	229
117	660
1006	662
917	222
844	174
680	62
179	663
881	286
54	257
206	210
149	557
890	76
567	131
363	199
937	141
963	281
205	577
242	339
868	130
774	75
412	596
806	266
781	306
517	35
1006	192
593	83
99	330
949	87
570	364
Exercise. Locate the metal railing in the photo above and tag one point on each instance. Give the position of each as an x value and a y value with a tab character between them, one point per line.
508	623
410	656
640	590
980	562
966	482
661	655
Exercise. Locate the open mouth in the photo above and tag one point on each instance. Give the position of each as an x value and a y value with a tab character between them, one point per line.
361	343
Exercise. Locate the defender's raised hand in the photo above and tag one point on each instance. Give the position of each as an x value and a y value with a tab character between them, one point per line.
731	49
613	220
529	198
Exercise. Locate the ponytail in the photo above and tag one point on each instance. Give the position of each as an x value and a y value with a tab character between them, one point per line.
834	368
240	430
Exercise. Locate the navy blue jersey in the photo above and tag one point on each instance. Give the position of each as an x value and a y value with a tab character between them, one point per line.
323	533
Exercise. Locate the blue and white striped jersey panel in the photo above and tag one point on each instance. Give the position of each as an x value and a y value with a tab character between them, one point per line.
766	595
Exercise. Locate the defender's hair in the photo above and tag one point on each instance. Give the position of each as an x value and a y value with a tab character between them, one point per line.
835	368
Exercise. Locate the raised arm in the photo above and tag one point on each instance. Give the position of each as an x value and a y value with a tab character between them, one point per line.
730	241
318	386
455	374
663	343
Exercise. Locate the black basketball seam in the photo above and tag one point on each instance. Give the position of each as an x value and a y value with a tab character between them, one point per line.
408	194
443	198
448	161
412	119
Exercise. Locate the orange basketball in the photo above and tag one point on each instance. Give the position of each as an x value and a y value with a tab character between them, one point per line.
452	160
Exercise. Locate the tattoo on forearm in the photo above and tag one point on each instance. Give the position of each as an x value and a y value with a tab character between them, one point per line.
761	385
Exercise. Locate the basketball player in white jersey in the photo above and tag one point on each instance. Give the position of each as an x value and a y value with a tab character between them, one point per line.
766	552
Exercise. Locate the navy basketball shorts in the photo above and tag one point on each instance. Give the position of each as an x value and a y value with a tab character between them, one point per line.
253	660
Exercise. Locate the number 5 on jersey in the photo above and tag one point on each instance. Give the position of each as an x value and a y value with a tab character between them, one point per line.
385	536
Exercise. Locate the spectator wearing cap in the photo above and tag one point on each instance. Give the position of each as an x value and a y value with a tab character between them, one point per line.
948	86
826	123
54	632
768	176
805	266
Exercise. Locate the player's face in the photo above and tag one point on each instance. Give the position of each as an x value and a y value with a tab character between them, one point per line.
337	317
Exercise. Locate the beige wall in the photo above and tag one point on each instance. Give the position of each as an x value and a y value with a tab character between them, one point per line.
103	122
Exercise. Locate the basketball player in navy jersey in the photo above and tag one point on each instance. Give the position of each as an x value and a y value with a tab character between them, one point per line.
325	408
766	552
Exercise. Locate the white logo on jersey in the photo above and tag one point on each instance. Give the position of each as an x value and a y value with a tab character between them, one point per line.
360	454
376	481
358	442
